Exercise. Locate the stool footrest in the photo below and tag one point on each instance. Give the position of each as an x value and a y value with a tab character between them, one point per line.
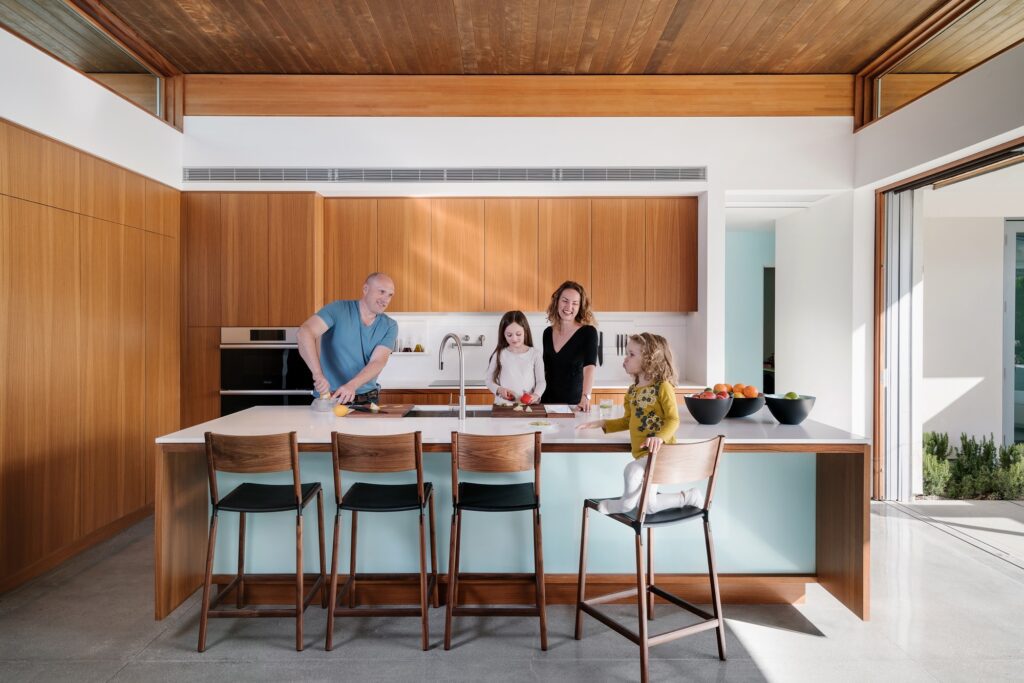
377	612
679	602
496	611
611	597
610	623
318	583
251	612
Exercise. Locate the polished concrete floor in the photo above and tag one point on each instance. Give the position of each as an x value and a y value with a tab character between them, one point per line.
943	609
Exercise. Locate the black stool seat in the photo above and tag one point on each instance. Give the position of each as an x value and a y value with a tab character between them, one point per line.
266	497
384	497
654	519
497	497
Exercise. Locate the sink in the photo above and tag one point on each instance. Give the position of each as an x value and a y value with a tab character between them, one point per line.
444	411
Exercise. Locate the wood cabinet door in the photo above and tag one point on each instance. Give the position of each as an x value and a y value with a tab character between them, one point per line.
39	169
350	246
134	206
102	189
163	348
132	467
244	243
617	243
510	254
201	232
200	377
163	209
40	411
404	251
671	254
457	248
292	268
563	246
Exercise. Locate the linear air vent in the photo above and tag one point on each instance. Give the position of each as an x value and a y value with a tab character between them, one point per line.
617	174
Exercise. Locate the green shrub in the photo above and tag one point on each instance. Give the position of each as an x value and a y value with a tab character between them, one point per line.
936	474
975	469
1008	483
937	444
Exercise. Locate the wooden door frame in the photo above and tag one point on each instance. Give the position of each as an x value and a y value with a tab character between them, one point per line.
878	408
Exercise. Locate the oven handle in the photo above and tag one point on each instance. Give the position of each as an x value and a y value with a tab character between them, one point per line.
265	392
228	347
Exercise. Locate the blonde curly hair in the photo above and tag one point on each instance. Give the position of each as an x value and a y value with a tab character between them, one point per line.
655	358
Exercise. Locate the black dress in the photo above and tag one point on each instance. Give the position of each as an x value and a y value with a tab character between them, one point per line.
564	370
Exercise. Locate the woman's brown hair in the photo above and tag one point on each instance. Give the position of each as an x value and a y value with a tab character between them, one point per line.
655	358
583	315
519	318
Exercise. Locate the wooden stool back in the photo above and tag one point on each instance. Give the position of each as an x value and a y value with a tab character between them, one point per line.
252	455
385	453
495	454
678	463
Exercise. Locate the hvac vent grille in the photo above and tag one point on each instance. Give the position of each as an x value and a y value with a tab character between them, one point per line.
445	175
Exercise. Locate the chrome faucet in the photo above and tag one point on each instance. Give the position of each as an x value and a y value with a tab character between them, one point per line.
462	370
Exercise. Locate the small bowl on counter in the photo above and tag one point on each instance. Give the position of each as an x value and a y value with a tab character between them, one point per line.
745	407
708	411
789	411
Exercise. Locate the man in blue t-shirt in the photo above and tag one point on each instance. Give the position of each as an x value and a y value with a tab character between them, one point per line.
346	344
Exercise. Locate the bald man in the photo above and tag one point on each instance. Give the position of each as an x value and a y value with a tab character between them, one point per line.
355	341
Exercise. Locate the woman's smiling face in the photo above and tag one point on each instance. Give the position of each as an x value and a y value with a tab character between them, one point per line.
568	305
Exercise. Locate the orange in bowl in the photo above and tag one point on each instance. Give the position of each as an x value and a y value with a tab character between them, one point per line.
723	387
750	392
738	389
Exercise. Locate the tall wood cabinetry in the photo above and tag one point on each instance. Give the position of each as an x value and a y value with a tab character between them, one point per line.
89	347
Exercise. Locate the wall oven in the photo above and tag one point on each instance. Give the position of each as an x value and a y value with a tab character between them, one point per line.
261	366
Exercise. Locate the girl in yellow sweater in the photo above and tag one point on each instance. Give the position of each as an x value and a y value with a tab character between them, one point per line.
652	417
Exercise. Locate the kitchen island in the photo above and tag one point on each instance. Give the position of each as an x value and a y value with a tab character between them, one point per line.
791	508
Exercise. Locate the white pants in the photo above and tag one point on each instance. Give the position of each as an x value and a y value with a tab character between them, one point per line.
632	483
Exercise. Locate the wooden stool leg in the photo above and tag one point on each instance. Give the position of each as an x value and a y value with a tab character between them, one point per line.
298	582
641	599
716	597
581	582
332	595
240	591
424	615
650	573
538	568
453	546
207	579
323	550
433	556
352	563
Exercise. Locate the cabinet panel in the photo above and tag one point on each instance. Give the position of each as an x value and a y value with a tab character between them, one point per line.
457	246
244	253
163	209
200	379
202	243
510	246
39	352
132	467
671	253
404	251
350	246
617	243
563	245
134	213
102	191
291	258
40	170
163	348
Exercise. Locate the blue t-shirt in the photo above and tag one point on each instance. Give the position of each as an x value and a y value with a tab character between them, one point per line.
346	347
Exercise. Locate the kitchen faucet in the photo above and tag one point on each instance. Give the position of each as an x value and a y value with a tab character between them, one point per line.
462	370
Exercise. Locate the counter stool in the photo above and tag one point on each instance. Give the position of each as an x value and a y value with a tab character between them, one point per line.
391	453
258	455
672	464
493	454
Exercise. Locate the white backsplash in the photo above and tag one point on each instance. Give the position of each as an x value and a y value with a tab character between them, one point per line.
411	370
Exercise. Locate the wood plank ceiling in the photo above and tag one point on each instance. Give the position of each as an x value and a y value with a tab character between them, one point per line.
521	36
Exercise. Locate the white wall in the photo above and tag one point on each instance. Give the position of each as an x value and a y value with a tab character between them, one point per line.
814	307
748	253
40	93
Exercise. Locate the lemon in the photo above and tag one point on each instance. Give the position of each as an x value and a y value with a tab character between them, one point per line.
341	410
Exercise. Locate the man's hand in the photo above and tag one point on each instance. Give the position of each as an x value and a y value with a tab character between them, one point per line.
321	385
345	393
653	444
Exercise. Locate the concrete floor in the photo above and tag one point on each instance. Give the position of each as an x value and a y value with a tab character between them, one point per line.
944	609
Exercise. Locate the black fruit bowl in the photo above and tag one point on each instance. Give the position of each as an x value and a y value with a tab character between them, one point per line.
708	411
744	407
790	411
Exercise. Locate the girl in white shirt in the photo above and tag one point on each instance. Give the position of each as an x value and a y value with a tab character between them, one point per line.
516	368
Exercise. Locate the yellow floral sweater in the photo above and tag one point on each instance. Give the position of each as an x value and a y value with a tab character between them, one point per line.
650	411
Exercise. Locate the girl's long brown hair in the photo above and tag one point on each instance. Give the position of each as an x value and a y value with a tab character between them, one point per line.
655	358
583	315
519	318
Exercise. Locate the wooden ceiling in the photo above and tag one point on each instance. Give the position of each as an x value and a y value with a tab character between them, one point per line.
520	36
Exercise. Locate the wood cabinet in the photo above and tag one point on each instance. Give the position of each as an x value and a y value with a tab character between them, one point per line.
350	246
295	289
671	254
457	247
244	281
38	169
564	245
133	211
404	250
200	383
201	233
618	253
102	190
510	254
163	209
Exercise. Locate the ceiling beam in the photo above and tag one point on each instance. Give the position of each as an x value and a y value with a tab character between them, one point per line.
97	14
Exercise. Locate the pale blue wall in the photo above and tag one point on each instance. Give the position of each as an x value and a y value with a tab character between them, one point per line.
747	253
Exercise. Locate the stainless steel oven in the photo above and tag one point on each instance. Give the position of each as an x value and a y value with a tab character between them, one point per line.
261	366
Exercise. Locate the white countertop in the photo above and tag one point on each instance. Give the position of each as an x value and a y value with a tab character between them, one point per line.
315	428
476	383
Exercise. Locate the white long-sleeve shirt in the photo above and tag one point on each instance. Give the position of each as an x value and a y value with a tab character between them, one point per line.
520	372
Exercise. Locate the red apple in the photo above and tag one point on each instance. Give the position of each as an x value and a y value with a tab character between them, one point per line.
527	397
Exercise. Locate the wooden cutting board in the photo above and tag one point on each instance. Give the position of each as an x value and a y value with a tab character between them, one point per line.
538	411
386	410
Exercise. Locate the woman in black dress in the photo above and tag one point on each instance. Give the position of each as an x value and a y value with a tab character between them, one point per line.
570	347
